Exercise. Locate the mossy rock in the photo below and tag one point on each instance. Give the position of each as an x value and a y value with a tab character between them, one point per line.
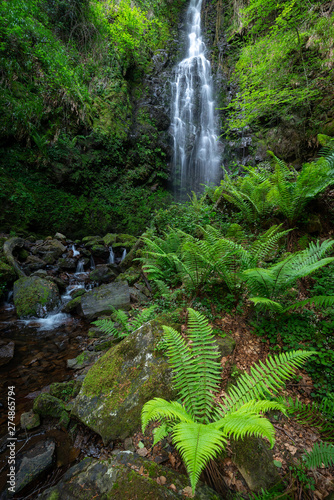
119	478
46	405
7	273
123	379
226	345
73	305
109	239
89	241
78	293
102	274
126	239
131	275
100	251
65	390
34	296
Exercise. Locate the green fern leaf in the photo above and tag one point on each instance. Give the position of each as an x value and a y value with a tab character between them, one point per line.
158	408
321	454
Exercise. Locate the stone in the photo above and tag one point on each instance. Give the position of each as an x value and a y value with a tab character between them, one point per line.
78	293
67	263
100	300
59	236
34	296
73	306
65	390
41	273
131	275
35	461
102	274
29	420
8	248
128	444
86	358
100	251
124	378
137	297
51	250
89	241
33	263
109	239
6	351
226	345
123	476
255	462
46	405
7	273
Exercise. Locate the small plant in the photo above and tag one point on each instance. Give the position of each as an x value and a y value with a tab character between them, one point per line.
199	427
107	325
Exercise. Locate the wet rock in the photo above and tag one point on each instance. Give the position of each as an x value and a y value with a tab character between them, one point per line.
123	379
255	462
100	300
226	345
78	293
67	263
41	273
123	476
89	241
102	274
109	239
65	390
59	282
8	249
34	462
46	405
131	275
34	296
29	420
33	263
86	358
100	251
73	306
51	250
7	272
6	351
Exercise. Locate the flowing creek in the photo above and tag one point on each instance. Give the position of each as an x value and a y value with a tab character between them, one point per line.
42	348
197	152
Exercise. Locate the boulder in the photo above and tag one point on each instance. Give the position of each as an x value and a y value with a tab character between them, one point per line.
34	296
124	476
59	236
100	300
33	263
100	251
67	263
29	420
137	296
35	461
89	241
123	379
131	275
7	273
109	239
255	462
102	274
6	351
8	248
73	306
226	345
51	250
46	405
65	390
86	358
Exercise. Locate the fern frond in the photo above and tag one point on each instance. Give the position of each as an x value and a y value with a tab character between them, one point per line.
267	304
197	444
158	409
107	326
321	454
317	301
144	316
265	379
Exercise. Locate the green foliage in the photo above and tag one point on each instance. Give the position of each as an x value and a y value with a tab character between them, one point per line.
321	454
121	325
200	429
271	283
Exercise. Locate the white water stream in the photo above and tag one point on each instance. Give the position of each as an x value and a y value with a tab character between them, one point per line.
194	128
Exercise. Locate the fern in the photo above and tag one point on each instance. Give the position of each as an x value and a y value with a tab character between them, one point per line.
199	429
321	454
107	326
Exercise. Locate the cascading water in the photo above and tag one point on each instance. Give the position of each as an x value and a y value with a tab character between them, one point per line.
111	259
196	149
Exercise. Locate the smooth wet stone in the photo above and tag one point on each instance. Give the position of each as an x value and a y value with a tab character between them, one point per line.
35	461
100	300
6	351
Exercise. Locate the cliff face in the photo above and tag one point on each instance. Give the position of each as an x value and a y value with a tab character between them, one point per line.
273	76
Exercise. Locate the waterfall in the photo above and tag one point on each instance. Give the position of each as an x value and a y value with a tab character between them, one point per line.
111	259
80	267
75	252
92	263
196	149
123	254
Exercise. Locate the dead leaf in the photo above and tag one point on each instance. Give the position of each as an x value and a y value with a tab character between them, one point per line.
142	452
188	492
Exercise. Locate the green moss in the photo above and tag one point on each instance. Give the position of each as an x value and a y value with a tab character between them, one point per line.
48	406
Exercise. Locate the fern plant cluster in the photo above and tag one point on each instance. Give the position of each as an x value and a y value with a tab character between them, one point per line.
120	325
199	425
279	189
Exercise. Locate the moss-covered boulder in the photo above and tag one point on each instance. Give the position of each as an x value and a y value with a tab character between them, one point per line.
131	275
123	379
35	296
100	300
7	273
109	239
100	251
102	274
65	390
73	306
226	345
46	405
30	420
123	476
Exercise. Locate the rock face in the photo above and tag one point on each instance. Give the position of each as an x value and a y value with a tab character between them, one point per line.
100	300
119	478
255	462
123	379
34	462
34	296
